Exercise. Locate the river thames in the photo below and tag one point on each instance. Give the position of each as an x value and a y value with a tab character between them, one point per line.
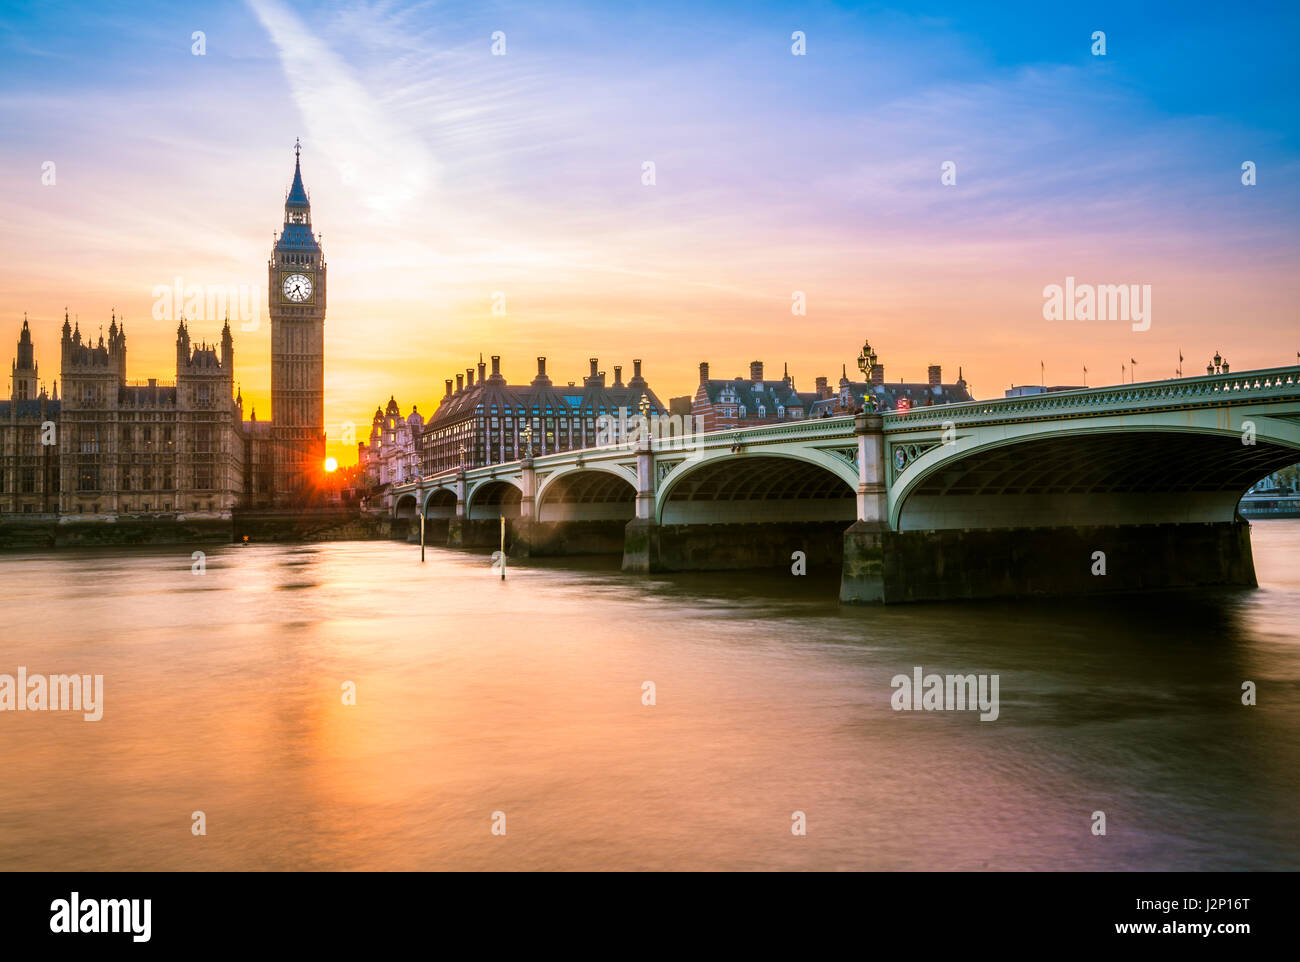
224	694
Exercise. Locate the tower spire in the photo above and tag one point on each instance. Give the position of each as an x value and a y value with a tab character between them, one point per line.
297	192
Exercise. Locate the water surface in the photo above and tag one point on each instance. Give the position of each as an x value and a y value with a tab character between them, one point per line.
475	696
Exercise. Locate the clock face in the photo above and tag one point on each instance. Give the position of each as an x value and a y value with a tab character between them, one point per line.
297	287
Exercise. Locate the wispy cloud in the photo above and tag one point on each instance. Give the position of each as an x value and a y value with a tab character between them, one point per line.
384	163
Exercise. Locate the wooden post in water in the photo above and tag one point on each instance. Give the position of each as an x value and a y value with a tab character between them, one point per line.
421	537
503	547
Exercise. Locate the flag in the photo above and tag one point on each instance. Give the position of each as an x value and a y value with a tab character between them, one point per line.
1133	362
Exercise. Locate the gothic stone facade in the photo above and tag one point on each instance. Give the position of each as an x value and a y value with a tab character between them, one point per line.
111	447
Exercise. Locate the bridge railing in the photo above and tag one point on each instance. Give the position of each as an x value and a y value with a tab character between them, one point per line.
1206	390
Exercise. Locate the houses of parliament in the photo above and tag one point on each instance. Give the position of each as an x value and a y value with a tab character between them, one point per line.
100	446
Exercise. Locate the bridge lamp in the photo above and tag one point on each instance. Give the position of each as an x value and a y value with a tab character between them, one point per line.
866	364
462	455
527	436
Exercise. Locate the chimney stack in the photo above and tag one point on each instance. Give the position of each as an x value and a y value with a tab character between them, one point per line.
460	383
756	371
469	377
541	367
618	375
448	387
823	391
936	375
878	374
496	365
704	371
482	370
593	366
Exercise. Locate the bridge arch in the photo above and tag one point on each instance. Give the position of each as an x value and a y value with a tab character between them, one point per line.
440	503
405	506
763	486
590	493
493	498
1170	467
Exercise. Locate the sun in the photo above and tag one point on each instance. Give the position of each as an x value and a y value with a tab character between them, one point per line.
331	465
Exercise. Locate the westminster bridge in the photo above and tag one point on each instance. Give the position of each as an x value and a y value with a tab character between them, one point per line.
1121	488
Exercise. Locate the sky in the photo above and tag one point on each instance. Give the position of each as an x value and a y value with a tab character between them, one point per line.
447	180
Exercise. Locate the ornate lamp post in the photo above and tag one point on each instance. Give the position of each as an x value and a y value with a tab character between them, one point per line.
867	364
644	409
462	457
527	437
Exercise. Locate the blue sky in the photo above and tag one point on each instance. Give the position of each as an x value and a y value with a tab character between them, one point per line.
441	174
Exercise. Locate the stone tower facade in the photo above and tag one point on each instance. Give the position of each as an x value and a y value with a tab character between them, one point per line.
296	302
24	372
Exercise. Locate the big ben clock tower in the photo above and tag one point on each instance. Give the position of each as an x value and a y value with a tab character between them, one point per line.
296	302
